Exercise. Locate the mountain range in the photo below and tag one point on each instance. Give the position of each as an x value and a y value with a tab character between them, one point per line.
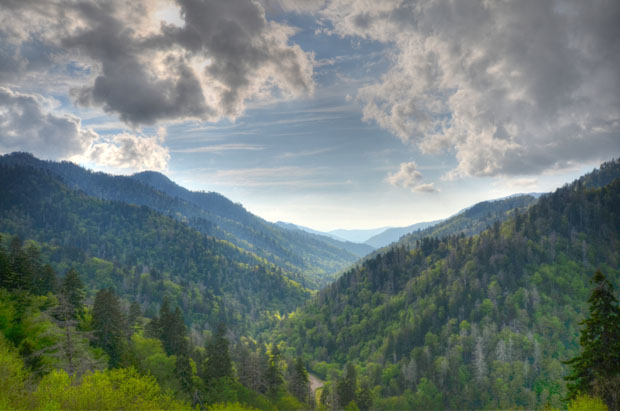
314	259
466	315
479	310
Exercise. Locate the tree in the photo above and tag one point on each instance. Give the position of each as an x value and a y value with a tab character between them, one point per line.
299	384
109	326
218	363
135	312
20	274
183	371
596	371
72	289
170	328
45	281
273	375
347	386
364	397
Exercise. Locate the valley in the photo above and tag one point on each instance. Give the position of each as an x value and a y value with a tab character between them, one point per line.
217	306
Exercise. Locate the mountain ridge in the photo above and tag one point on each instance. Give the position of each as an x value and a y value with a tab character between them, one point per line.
315	257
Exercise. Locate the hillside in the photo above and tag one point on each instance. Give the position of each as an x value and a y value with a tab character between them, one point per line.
143	253
317	258
470	322
395	233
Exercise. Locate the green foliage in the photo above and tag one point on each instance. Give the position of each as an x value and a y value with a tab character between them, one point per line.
309	259
485	320
299	383
72	289
110	326
273	375
139	251
586	403
12	378
218	364
107	390
597	369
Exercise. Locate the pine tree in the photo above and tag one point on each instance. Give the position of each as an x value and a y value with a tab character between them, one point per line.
346	387
135	313
170	328
299	384
109	326
45	282
596	371
72	289
183	371
21	272
273	374
218	364
5	268
364	397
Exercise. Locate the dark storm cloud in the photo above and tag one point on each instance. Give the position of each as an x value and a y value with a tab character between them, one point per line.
224	54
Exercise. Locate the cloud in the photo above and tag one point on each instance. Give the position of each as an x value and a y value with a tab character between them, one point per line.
128	151
206	65
217	148
27	123
298	6
408	176
513	88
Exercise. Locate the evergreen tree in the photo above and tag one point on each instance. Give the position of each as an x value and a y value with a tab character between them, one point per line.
183	371
21	271
45	281
273	374
364	397
5	268
170	328
134	315
596	371
109	326
218	363
72	289
346	387
299	384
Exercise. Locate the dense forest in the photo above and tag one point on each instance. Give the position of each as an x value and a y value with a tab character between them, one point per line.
61	349
144	254
312	259
461	322
105	303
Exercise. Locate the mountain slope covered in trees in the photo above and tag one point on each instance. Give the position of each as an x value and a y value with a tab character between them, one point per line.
468	322
144	253
317	257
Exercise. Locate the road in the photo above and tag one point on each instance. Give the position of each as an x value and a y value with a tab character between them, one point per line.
315	382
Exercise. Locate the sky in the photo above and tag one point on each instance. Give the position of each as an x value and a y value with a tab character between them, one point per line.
325	113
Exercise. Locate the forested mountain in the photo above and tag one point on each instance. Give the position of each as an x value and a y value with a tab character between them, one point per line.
60	348
318	258
395	233
472	220
467	322
143	253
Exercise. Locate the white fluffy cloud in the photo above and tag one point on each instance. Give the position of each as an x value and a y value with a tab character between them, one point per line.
512	87
28	123
409	177
131	152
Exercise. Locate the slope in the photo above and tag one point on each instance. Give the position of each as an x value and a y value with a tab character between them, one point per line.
311	259
394	234
143	252
470	322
